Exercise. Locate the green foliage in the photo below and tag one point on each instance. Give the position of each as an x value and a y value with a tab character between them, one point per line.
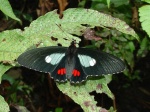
41	31
3	105
108	3
144	13
148	1
8	50
49	30
58	110
104	5
144	47
80	93
47	26
118	3
16	87
3	69
7	10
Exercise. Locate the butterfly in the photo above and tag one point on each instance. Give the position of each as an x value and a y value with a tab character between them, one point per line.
73	64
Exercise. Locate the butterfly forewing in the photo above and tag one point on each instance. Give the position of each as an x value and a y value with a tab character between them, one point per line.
99	63
44	59
59	73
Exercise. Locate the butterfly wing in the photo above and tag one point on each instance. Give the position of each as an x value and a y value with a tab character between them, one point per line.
45	59
78	75
86	62
59	73
96	63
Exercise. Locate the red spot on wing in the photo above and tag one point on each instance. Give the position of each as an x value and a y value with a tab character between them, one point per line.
58	72
61	71
76	73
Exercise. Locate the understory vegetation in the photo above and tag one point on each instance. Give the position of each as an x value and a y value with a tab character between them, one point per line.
118	27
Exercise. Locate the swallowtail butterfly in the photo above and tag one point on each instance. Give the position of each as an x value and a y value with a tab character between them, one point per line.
74	64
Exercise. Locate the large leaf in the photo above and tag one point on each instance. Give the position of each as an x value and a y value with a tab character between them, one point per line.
80	93
3	105
144	13
49	30
5	7
93	18
148	1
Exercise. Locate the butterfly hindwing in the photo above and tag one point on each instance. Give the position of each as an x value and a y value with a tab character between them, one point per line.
59	74
43	59
78	75
96	63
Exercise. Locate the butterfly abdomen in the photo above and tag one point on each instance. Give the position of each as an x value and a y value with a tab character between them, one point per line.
69	65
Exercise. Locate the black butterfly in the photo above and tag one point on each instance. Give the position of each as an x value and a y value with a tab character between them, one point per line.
72	63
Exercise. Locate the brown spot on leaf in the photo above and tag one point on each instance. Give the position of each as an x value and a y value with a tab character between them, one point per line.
103	110
89	34
75	94
87	103
99	86
6	62
65	39
54	39
37	44
3	40
59	44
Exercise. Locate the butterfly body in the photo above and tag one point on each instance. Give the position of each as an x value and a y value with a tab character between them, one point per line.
74	64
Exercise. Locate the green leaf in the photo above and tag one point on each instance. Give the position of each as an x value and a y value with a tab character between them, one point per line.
144	13
118	3
8	78
5	7
3	105
95	18
3	69
49	30
59	110
129	57
80	93
144	47
148	1
131	46
108	3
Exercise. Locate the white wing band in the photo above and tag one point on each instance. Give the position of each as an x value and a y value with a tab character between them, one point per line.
86	61
54	58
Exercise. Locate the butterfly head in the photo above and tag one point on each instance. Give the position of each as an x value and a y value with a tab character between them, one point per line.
73	43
